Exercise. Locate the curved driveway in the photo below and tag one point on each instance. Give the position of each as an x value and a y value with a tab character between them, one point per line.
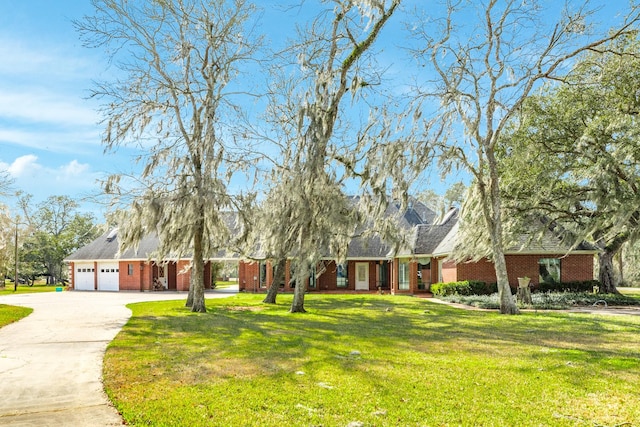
51	361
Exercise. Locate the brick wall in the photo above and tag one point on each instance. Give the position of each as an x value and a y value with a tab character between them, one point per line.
577	268
183	275
129	282
246	272
572	268
327	280
451	272
146	280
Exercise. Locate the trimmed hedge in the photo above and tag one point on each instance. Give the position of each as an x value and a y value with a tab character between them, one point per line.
466	287
583	286
473	287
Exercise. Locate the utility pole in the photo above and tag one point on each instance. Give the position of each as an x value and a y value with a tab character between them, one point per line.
15	276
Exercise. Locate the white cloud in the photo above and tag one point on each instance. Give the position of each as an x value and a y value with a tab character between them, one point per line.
37	105
24	165
37	177
43	89
26	59
74	169
82	140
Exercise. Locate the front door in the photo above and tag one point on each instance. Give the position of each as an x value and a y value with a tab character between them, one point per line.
362	276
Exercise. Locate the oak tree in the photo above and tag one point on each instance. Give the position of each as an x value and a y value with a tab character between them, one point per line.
174	97
488	58
572	156
319	146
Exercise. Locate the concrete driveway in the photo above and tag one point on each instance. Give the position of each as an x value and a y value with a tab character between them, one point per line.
51	361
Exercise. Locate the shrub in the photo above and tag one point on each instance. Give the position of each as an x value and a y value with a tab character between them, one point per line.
548	300
466	287
583	286
482	288
479	301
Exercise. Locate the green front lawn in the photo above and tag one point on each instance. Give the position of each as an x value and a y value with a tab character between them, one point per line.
634	292
11	313
222	284
24	289
371	361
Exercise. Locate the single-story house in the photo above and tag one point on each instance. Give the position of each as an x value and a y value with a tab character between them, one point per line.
98	266
370	267
371	264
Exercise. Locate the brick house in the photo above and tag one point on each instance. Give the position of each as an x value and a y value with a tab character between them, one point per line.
371	264
98	266
547	259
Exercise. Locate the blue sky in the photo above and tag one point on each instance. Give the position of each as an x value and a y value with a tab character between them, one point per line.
49	137
49	132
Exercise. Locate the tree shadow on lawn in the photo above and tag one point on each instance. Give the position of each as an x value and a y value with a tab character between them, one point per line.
383	346
337	325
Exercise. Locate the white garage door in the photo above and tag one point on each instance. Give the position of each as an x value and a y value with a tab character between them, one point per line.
108	276
83	277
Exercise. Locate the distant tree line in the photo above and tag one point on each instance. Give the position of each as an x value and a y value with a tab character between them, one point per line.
46	233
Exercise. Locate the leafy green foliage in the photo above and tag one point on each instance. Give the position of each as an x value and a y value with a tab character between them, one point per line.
466	287
377	360
472	287
572	156
579	286
549	300
56	229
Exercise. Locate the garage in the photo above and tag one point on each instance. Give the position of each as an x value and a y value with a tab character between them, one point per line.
83	276
108	276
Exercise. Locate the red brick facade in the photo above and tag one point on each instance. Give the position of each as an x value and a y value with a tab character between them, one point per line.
577	267
250	280
135	275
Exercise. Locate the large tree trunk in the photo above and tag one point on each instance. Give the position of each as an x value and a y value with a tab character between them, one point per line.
492	211
197	271
507	301
606	275
189	302
278	277
297	306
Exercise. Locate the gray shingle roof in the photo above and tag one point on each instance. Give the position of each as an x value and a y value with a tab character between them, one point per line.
105	247
429	239
371	247
550	242
430	236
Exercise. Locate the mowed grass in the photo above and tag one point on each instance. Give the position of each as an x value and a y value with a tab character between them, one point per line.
24	289
371	361
12	313
634	292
